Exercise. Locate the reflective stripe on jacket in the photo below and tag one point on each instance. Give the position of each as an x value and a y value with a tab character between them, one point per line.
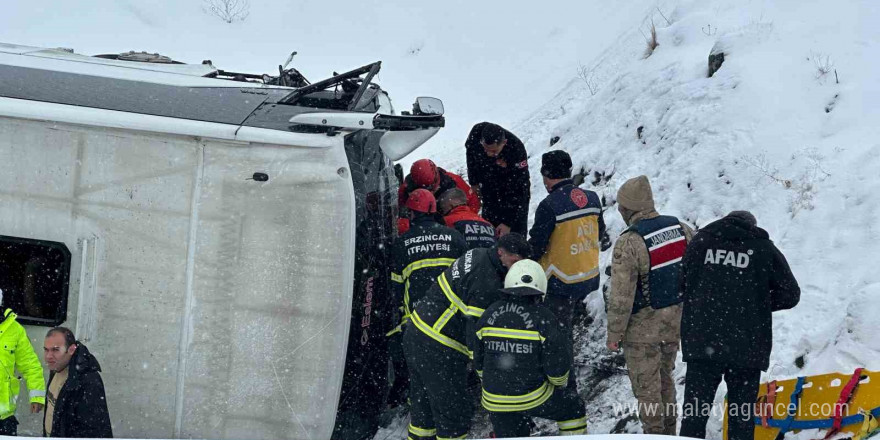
566	239
418	257
449	309
521	355
17	353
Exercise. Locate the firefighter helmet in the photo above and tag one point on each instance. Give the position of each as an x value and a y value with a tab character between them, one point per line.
421	200
525	278
424	173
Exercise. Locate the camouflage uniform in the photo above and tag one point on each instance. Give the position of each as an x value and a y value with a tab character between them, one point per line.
650	337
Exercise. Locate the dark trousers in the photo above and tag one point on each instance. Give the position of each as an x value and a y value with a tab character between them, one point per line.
400	386
564	407
439	402
701	382
9	426
563	308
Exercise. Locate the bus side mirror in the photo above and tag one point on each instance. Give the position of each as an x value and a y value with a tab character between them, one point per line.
428	106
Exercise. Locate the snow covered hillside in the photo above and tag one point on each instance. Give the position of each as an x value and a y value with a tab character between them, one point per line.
787	128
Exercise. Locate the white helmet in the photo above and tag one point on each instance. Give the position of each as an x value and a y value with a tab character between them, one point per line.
525	278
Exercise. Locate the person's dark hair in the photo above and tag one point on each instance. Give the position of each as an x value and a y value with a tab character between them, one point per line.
452	198
69	339
515	244
492	134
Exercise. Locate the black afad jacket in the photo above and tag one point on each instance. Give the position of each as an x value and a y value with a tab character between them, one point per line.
452	305
733	278
520	354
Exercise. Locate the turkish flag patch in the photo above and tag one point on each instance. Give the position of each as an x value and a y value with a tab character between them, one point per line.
579	197
523	164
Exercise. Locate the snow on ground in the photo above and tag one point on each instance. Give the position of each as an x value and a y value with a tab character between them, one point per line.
787	128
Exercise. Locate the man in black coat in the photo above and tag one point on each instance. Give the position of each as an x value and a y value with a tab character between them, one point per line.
733	278
498	169
76	404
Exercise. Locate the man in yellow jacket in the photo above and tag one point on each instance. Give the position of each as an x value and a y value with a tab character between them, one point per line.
568	234
16	352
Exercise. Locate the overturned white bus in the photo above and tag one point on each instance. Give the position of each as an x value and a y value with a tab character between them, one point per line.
219	240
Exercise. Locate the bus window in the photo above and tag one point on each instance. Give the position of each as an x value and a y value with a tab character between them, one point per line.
34	278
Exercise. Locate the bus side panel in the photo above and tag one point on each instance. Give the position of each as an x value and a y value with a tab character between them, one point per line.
270	274
272	293
131	195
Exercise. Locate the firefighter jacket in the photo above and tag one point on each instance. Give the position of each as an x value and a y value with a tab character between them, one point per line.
503	181
447	181
461	293
18	354
419	256
520	354
476	230
566	239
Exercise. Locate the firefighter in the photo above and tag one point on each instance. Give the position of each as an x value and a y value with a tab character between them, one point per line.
566	238
417	258
498	169
425	174
523	359
435	339
644	305
457	214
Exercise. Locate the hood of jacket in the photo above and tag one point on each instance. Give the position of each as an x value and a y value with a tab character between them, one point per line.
82	362
733	228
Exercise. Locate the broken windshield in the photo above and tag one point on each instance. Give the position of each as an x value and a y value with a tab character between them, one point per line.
349	90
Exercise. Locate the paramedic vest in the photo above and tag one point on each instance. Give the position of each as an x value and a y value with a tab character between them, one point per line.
572	257
664	237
